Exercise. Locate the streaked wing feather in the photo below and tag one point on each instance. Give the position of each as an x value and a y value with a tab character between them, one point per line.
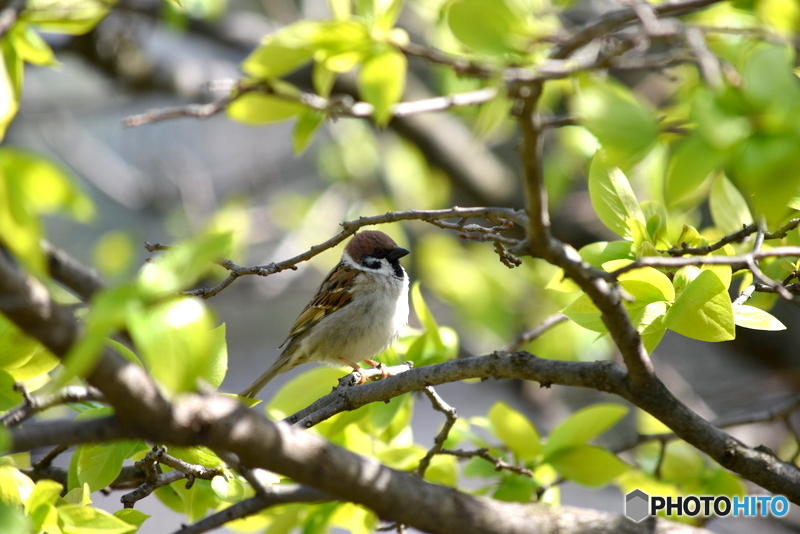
333	294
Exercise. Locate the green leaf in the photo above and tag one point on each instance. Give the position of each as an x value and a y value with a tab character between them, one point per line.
582	426
649	322
177	343
588	465
646	284
131	516
13	521
74	17
728	207
44	492
218	364
8	397
624	127
302	390
612	196
755	318
15	488
183	264
487	26
682	464
101	463
767	171
515	488
382	80
702	310
30	46
87	520
688	172
228	488
586	314
515	431
308	121
281	53
9	98
259	108
443	470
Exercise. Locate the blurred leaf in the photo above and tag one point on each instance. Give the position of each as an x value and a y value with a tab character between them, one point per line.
9	99
12	520
30	46
16	348
229	489
100	464
625	128
85	519
382	80
682	464
74	17
728	207
8	396
612	196
31	185
702	310
44	492
692	163
487	26
15	488
515	488
588	465
584	313
183	264
218	364
131	516
302	390
750	317
515	431
582	426
258	108
113	253
176	342
308	121
443	470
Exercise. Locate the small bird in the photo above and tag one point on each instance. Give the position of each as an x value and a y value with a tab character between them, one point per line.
357	312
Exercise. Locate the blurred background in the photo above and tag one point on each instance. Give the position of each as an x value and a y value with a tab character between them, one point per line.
168	180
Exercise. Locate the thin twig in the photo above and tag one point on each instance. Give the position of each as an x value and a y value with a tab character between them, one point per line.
438	443
530	335
505	217
499	465
33	405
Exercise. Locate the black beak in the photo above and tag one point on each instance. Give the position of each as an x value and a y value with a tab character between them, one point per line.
397	253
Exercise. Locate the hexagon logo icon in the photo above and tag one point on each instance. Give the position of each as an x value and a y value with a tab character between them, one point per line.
637	505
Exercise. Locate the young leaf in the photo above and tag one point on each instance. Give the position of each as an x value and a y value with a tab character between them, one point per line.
612	196
585	313
690	167
257	108
83	519
308	121
588	465
728	207
583	425
515	431
625	128
486	26
702	310
382	80
755	318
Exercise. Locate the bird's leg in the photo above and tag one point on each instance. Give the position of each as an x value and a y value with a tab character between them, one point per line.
357	368
379	366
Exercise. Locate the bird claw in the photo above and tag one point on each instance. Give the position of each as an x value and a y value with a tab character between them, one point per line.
379	366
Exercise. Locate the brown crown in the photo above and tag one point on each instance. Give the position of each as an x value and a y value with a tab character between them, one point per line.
367	242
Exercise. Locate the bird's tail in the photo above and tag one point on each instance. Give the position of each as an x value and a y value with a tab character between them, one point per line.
280	366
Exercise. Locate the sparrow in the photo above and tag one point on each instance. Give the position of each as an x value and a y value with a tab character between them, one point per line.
358	311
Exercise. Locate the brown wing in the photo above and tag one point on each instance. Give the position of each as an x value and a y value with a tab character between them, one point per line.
333	294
